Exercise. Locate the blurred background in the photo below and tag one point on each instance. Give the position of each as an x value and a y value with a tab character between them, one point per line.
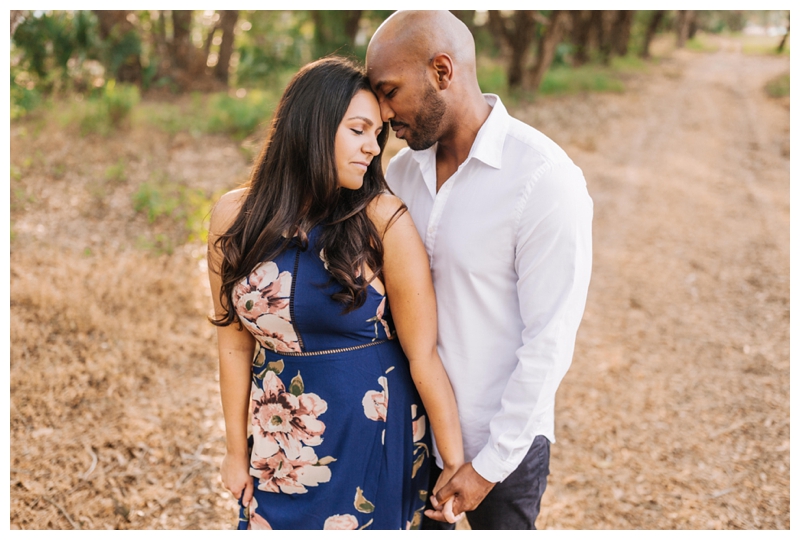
126	126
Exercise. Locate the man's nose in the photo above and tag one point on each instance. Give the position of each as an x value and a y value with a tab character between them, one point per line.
386	111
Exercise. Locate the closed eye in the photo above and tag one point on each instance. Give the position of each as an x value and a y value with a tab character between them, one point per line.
357	132
391	93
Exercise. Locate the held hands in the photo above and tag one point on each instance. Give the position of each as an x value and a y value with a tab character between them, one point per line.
463	492
235	472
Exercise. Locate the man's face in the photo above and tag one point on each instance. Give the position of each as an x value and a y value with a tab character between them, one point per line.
409	102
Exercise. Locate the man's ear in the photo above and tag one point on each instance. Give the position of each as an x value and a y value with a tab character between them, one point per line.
442	65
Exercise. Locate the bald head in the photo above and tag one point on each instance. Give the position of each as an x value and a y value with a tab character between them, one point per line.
421	65
416	36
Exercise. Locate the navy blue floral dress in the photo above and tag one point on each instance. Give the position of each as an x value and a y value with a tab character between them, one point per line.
339	437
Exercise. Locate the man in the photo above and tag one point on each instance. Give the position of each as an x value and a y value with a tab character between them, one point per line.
506	219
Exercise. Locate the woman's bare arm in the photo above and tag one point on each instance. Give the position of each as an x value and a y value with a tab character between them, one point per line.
409	287
236	349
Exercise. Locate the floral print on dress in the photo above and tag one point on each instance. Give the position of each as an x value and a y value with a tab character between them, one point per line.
256	521
262	302
341	522
376	402
285	428
421	450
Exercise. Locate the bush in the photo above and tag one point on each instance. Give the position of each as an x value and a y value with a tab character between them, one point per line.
23	100
240	116
109	110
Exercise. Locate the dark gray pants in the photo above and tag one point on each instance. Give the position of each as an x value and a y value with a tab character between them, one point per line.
513	503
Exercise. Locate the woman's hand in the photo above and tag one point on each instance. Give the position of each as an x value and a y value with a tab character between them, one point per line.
446	507
235	472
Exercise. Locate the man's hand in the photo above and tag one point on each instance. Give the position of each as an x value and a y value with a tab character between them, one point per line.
466	488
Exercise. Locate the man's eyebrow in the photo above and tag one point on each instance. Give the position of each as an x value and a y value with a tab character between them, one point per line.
364	118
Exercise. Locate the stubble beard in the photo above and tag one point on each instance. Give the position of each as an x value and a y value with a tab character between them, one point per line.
427	121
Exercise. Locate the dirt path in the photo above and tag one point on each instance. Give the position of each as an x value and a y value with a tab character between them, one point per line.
675	413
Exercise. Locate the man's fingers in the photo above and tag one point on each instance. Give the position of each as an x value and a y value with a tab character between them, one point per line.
435	502
447	491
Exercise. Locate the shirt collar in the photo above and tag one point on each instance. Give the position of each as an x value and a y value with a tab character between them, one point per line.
488	145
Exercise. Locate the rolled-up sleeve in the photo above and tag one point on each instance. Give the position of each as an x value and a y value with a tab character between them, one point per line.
553	263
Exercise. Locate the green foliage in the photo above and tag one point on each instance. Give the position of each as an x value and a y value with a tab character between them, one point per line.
48	53
240	116
491	75
24	98
587	78
779	86
107	110
161	200
561	79
157	200
273	42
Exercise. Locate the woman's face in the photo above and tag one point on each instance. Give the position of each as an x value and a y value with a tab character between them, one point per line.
357	139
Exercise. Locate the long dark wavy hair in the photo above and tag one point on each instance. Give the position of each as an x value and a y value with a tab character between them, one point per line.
293	187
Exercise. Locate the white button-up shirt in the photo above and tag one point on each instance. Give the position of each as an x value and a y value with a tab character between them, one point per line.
509	236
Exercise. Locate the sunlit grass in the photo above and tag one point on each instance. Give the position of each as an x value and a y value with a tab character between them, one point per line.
236	116
587	78
701	43
162	200
767	45
562	80
103	113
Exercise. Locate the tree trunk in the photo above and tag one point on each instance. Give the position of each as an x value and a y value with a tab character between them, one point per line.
335	31
181	47
352	17
621	32
497	30
581	29
546	49
693	25
782	44
187	66
228	24
682	27
158	29
602	24
518	32
652	28
119	34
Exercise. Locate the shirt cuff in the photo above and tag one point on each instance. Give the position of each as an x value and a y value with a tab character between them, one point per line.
491	466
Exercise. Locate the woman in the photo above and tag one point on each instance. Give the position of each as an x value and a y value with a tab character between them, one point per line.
307	258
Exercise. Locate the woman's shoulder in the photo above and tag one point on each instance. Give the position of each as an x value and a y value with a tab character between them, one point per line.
384	209
225	210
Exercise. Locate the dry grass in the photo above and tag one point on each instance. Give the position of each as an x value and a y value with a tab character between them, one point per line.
675	413
115	416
